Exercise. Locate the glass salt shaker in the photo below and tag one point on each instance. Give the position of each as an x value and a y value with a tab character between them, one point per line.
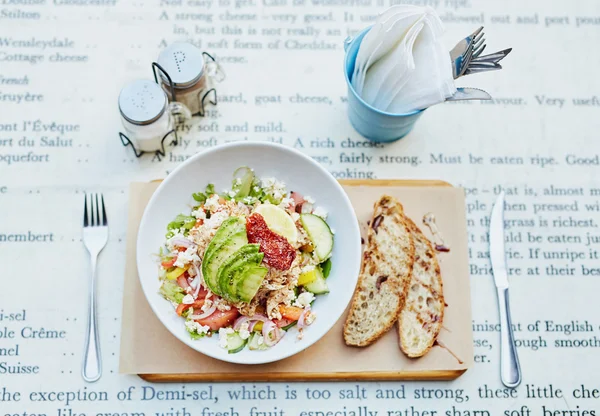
145	115
191	75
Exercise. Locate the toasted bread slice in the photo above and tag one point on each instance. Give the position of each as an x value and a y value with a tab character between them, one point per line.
421	317
384	277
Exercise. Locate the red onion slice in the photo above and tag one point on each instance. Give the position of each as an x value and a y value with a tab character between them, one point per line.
197	279
271	333
252	320
206	314
183	242
303	317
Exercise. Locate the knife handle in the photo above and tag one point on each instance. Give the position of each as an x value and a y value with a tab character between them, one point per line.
510	370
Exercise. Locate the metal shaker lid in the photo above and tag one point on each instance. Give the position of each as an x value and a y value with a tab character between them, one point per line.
142	102
183	62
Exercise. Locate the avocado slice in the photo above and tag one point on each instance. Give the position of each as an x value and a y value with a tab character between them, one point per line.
229	270
249	282
212	263
230	226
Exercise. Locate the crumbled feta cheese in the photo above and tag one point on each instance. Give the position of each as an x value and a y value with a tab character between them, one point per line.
286	202
320	212
232	194
238	181
222	304
199	214
309	199
188	300
256	189
190	325
187	256
260	341
193	326
309	318
223	332
273	187
244	332
212	203
304	299
215	220
206	305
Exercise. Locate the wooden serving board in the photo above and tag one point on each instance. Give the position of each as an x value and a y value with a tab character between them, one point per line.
149	350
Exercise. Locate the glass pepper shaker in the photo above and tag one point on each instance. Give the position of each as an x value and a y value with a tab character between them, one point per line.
145	115
191	75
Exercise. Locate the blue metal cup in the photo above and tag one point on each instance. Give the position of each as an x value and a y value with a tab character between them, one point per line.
374	124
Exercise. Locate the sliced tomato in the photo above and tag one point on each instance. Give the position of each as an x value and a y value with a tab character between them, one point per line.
181	308
197	305
220	319
202	293
282	322
168	263
290	312
182	281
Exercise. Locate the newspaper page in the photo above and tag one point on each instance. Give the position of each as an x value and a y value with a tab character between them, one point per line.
62	65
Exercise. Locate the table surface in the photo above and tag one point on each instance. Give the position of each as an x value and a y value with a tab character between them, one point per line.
62	65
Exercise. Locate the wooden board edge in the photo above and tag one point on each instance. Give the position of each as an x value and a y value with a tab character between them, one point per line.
394	182
256	377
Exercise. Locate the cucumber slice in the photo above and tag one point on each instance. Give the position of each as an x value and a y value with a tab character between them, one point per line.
235	343
246	177
232	267
320	235
319	285
253	342
249	283
210	266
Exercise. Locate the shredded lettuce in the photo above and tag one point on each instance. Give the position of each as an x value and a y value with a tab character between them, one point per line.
194	334
172	292
200	197
182	221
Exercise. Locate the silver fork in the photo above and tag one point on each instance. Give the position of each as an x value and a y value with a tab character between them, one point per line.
465	50
95	236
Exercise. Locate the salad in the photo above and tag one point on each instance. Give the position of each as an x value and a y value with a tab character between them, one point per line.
246	263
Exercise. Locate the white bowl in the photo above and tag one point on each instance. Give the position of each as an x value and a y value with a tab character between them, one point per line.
301	174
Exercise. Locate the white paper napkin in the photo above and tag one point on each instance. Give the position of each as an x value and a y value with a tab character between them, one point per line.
402	64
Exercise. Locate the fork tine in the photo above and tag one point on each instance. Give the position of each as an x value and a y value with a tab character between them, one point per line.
477	32
494	57
478	51
478	38
104	219
97	211
92	222
465	63
473	35
85	211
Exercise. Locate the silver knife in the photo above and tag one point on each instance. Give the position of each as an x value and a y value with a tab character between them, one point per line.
510	370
